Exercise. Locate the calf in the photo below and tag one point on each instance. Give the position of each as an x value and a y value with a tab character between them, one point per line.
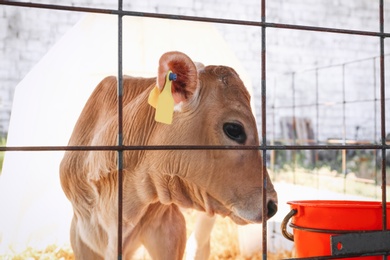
210	106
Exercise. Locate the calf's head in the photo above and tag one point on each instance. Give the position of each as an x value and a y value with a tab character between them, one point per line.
212	107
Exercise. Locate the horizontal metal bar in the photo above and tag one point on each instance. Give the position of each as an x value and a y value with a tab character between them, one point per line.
195	18
192	147
335	65
58	7
337	257
326	29
328	103
360	243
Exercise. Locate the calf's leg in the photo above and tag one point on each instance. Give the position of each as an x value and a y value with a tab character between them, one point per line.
198	244
80	249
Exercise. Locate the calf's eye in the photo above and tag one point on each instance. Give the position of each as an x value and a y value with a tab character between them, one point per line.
235	132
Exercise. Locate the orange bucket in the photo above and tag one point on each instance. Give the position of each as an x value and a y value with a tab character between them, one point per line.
314	221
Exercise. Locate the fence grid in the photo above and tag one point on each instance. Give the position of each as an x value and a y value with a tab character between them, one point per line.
264	147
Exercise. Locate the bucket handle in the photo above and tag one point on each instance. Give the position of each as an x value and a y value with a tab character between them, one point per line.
285	221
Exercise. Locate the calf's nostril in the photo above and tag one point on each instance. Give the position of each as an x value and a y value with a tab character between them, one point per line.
272	208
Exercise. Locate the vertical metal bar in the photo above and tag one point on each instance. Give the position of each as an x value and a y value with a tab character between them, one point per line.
264	129
273	152
344	152
293	102
317	127
375	125
383	114
343	103
294	155
120	132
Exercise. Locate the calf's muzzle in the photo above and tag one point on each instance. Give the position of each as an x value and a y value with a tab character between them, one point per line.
272	208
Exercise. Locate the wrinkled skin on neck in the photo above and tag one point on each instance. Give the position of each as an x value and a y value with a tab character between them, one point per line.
227	182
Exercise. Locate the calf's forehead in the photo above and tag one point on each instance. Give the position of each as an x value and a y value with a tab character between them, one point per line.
224	82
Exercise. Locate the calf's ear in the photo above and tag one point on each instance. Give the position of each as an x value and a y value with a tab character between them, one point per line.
186	82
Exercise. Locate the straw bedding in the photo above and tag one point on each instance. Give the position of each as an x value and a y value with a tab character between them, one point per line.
224	245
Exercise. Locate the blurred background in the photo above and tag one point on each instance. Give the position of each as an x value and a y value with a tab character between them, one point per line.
322	88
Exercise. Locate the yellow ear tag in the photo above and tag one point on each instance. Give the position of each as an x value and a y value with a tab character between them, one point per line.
163	101
153	97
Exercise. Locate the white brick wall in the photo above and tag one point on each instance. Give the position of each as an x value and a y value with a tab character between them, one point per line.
27	34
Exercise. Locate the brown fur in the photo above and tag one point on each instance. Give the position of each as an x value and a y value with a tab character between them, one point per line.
155	183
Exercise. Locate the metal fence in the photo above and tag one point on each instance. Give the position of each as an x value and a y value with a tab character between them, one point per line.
303	126
266	147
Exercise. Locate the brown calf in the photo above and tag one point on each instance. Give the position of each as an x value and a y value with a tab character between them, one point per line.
212	107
